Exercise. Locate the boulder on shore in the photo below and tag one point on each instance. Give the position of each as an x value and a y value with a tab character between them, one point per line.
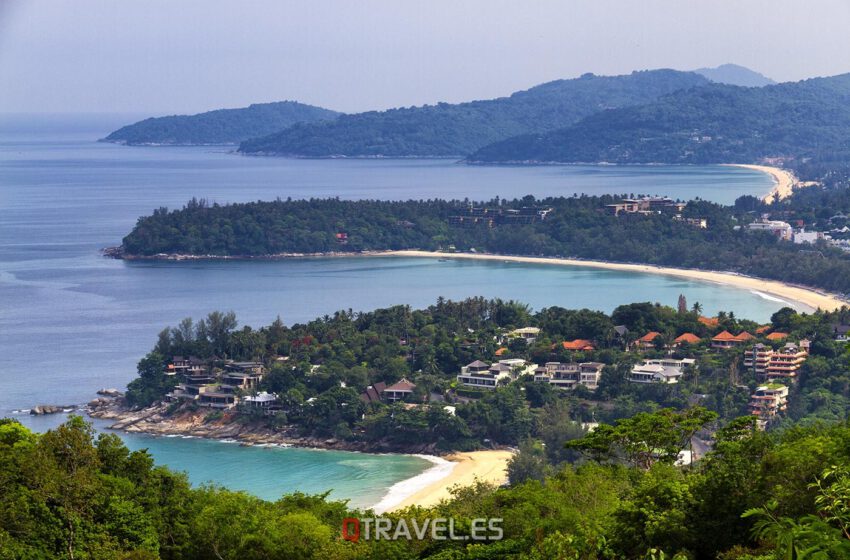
110	393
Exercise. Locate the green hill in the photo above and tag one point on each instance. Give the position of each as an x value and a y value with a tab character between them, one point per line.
734	75
223	126
454	130
712	124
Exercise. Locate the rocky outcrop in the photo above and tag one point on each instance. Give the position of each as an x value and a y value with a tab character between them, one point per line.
43	409
161	420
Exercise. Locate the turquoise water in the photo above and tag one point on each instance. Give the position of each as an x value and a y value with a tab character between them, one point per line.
269	472
72	322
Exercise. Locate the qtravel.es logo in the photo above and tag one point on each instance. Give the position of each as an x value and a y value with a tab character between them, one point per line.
355	529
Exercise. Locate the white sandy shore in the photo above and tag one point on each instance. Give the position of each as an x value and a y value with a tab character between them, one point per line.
463	470
804	296
784	182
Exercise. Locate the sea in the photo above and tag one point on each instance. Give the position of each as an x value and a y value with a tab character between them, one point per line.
73	322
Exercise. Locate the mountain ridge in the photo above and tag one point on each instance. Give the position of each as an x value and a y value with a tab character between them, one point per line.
713	124
454	130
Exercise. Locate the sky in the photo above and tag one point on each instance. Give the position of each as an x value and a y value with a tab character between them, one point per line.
185	56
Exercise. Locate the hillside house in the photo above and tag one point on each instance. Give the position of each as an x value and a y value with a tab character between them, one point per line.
487	376
647	341
400	391
570	375
664	370
578	345
686	338
528	334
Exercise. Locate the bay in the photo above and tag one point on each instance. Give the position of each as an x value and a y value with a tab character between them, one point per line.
72	322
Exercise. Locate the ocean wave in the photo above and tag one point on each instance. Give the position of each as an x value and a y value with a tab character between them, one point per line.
402	490
770	297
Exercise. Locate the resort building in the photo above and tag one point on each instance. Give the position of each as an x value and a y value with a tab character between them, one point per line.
783	364
645	205
243	376
569	375
265	402
758	358
786	362
774	336
528	334
727	340
768	401
190	366
665	370
400	391
781	230
217	396
487	376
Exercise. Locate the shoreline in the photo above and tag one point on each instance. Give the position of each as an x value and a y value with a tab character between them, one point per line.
424	489
807	297
488	466
804	296
784	181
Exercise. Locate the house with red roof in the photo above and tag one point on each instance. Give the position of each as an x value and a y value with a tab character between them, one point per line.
647	341
709	322
725	340
777	336
686	338
579	344
400	391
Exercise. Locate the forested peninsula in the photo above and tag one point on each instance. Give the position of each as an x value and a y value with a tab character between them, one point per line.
698	234
619	491
222	126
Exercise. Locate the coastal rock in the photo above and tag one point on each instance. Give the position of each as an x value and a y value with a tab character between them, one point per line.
110	393
42	409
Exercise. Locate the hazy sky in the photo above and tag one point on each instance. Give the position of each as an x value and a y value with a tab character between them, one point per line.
167	56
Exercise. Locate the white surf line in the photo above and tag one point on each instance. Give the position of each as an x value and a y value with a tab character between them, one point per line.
403	489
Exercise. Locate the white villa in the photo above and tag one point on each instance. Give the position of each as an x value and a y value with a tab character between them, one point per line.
483	375
664	370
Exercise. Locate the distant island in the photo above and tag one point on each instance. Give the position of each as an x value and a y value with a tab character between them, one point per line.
224	126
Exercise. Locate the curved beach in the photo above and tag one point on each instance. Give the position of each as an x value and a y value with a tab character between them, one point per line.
807	297
784	182
486	466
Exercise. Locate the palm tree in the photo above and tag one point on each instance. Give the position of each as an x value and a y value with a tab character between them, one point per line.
696	307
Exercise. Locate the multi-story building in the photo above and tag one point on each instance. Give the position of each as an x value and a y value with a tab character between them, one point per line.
781	230
771	365
487	376
569	375
768	401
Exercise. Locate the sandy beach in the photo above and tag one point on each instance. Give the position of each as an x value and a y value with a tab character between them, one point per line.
784	182
808	297
486	466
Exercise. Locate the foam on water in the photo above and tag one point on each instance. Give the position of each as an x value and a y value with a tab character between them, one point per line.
402	490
